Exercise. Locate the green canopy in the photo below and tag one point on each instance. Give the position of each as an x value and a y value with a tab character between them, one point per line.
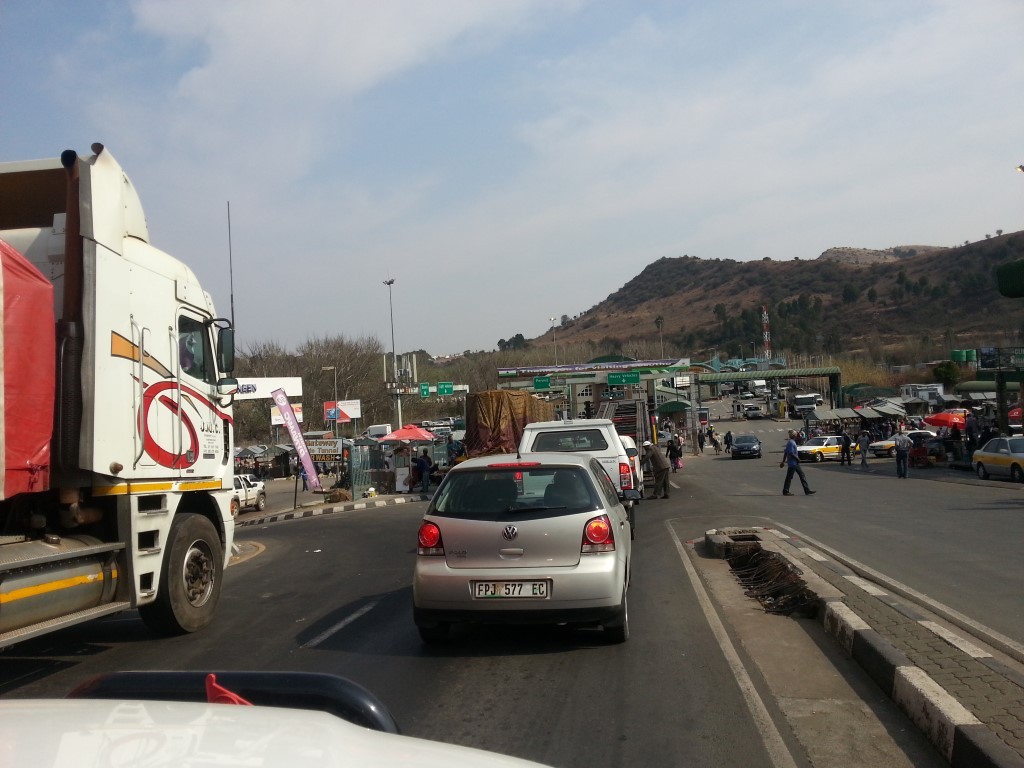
674	406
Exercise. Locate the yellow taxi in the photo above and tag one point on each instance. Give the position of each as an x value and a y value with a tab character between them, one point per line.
821	448
1000	457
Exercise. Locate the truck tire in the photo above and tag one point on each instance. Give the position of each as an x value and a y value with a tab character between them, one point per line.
261	502
190	580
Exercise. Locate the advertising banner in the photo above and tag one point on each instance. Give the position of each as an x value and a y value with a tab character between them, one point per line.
292	425
342	411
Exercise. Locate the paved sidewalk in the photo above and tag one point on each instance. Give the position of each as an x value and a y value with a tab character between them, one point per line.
968	699
313	509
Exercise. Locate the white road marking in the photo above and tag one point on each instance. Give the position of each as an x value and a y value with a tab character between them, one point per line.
956	641
778	753
813	554
866	585
991	636
340	625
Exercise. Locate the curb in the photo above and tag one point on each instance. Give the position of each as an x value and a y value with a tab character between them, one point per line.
958	735
317	510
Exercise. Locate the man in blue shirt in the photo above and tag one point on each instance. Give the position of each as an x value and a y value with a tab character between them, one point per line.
791	458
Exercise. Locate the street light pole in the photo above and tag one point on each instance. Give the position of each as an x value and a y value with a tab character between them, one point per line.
554	345
324	369
394	358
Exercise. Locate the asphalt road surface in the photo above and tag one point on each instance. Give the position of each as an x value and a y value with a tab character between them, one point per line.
706	679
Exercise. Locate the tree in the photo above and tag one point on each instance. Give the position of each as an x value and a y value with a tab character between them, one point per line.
850	294
947	373
872	294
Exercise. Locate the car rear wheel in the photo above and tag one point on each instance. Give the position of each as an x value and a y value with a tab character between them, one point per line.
819	457
982	472
1016	475
616	630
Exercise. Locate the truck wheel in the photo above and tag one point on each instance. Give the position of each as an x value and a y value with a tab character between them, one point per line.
261	502
190	580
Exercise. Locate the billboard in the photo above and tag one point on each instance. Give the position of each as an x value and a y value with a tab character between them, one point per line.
262	388
343	411
277	420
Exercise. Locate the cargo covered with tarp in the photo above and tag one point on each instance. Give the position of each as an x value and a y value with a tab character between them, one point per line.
27	377
495	420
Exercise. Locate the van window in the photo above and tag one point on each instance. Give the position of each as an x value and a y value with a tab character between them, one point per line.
570	440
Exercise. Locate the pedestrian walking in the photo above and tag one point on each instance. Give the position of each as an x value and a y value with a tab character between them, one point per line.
844	453
660	466
902	443
674	452
728	441
791	460
426	465
863	442
302	474
700	439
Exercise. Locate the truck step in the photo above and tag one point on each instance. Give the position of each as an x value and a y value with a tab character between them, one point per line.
34	630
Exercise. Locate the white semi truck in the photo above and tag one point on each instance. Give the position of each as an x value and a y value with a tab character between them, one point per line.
116	466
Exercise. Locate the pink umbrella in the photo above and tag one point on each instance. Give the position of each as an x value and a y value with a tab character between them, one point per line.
947	419
409	432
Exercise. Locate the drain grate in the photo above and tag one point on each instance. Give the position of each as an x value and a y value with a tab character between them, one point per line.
774	582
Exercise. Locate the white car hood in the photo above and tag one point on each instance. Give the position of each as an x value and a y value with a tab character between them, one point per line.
82	733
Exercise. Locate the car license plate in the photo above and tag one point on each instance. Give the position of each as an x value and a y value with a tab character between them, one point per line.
500	590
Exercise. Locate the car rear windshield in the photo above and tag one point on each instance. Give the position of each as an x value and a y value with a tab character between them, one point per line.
571	440
514	493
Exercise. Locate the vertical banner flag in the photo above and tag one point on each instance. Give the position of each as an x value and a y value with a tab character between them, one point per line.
290	422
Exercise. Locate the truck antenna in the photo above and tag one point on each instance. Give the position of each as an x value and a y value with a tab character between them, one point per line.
231	268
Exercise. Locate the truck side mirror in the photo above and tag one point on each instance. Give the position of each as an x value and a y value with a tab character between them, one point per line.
226	351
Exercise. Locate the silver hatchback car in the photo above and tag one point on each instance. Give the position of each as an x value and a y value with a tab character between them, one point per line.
537	539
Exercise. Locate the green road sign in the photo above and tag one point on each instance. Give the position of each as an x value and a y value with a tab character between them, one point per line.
630	377
424	389
542	382
445	388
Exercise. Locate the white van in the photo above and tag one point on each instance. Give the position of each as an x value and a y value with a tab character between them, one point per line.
592	437
377	431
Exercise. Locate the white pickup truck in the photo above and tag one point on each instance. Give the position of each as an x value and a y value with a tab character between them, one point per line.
249	493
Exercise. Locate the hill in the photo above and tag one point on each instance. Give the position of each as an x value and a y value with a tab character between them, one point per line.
923	300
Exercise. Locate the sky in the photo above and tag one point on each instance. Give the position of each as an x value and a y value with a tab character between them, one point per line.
510	161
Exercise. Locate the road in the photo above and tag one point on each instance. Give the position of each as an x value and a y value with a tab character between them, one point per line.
332	594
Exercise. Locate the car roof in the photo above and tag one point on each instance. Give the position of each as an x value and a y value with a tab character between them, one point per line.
568	424
555	458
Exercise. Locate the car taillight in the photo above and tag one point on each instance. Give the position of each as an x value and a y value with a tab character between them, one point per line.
625	476
430	540
598	536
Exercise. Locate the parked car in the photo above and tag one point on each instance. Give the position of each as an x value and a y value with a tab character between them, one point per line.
531	538
250	493
821	448
887	447
635	460
1001	457
744	446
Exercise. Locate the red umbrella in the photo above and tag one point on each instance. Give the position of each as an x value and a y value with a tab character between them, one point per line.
947	419
409	432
